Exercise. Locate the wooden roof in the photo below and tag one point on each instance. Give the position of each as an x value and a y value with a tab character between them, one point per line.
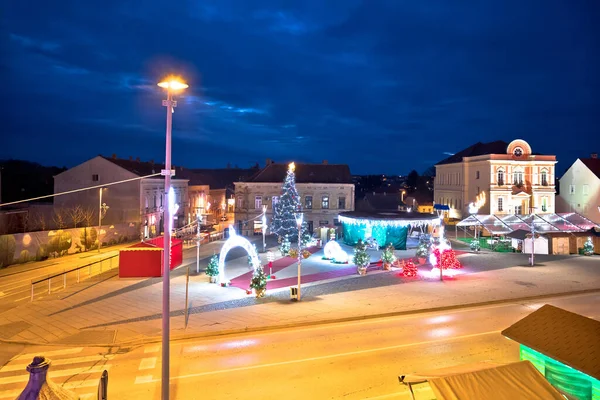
570	338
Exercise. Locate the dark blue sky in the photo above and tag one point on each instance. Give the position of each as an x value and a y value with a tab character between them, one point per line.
384	86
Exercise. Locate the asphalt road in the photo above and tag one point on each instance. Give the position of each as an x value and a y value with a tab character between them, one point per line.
357	360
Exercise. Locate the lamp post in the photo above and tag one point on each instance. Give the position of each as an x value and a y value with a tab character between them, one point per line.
171	85
198	219
102	208
299	219
532	259
264	226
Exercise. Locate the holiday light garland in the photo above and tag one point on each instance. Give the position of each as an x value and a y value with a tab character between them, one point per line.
388	222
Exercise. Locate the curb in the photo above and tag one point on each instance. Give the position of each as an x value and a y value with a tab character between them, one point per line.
178	337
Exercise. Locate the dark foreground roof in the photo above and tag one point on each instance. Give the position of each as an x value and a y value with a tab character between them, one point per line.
478	149
387	215
593	164
570	338
305	173
140	168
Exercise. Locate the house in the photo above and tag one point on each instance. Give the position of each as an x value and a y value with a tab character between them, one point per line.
325	190
512	179
580	188
133	201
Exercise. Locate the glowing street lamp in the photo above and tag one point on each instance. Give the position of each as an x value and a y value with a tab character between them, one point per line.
172	85
299	219
102	209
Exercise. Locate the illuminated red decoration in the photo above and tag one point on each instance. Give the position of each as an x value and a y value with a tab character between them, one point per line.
448	258
409	269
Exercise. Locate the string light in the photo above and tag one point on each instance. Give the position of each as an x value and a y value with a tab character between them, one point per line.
389	222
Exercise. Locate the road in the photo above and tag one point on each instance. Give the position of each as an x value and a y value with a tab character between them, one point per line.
357	360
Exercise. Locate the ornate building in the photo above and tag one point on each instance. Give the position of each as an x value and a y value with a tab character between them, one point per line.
513	178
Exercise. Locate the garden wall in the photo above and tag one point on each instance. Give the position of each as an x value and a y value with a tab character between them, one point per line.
20	248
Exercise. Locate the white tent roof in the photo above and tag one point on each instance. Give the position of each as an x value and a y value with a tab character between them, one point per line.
503	224
519	380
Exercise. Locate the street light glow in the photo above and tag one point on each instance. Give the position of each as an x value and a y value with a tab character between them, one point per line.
173	83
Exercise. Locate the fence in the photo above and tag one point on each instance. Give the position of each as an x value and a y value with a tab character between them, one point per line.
78	274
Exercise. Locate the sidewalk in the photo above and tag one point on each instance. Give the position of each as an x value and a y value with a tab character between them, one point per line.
130	313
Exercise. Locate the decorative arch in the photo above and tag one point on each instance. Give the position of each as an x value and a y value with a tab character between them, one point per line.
518	148
235	241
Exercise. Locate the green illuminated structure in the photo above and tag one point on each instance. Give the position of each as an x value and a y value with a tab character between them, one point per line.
564	347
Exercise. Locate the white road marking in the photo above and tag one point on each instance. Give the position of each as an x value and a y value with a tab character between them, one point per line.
53	374
143	379
327	357
64	361
152	349
147	363
50	353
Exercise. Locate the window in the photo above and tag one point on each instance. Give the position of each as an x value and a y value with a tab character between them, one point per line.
240	202
342	203
500	177
274	201
544	203
572	189
154	200
518	178
500	205
258	202
586	190
476	174
544	177
325	202
308	202
336	222
518	152
95	177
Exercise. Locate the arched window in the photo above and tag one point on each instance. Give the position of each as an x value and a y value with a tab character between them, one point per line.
500	177
518	177
500	204
544	177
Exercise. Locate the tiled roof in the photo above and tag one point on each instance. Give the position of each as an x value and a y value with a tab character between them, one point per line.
305	173
593	164
478	149
570	338
140	168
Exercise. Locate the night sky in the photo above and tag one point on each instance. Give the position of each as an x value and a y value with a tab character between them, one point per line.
384	86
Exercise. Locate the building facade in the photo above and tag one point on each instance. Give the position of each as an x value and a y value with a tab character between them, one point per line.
509	176
580	189
325	190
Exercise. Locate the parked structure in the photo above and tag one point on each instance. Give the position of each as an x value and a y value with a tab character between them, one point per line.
580	188
325	190
513	178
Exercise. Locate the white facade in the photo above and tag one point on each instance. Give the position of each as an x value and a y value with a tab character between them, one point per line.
516	182
580	192
321	203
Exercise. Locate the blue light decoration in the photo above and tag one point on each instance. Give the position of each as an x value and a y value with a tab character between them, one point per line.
392	231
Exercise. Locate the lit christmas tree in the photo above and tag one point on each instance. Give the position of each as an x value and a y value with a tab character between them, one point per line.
588	247
361	257
409	269
283	223
212	269
259	281
446	258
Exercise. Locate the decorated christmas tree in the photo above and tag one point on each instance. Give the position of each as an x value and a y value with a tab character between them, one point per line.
259	281
284	246
387	256
284	212
588	247
445	258
361	257
212	269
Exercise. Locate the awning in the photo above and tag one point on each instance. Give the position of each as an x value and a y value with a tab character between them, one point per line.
519	380
498	224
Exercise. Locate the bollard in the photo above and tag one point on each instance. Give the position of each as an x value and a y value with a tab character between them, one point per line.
103	386
40	387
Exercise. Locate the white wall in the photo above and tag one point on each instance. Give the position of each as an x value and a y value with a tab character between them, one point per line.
579	175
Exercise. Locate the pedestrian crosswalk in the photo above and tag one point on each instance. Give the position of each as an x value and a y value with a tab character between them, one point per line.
71	368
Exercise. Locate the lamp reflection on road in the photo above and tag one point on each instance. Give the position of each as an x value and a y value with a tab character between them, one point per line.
441	333
238	344
440	319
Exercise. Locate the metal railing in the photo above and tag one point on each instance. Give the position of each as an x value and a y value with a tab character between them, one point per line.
104	265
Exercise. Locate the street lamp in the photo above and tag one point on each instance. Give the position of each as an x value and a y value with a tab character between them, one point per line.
172	85
102	208
532	259
264	226
299	220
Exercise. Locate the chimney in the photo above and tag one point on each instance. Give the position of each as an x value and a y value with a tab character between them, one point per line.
137	159
114	156
325	162
594	155
268	162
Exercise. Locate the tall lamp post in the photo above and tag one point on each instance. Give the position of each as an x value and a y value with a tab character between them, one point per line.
532	258
172	85
299	220
264	226
102	208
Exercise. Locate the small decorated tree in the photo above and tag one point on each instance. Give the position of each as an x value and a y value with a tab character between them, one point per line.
423	251
409	269
388	257
474	245
361	257
284	246
588	247
212	269
259	282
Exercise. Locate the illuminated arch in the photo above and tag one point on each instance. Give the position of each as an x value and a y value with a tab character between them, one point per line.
235	241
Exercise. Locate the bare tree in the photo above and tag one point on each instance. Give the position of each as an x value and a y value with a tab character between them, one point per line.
59	218
39	221
88	216
76	214
25	221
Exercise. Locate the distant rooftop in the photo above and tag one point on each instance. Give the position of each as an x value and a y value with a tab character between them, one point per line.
478	149
305	173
